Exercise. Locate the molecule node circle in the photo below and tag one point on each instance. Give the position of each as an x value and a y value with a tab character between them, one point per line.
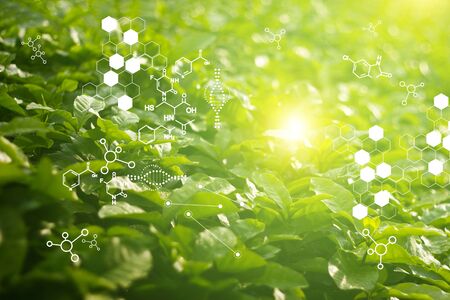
66	244
380	248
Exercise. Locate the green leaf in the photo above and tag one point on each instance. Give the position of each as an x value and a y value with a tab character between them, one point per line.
21	126
10	103
214	243
68	85
278	276
14	152
348	273
274	189
123	261
341	199
409	290
13	242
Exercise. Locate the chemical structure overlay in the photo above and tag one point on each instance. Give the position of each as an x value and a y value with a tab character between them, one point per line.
155	177
112	189
36	48
362	69
372	28
188	214
183	66
275	37
380	248
217	96
410	90
126	63
148	134
111	156
66	244
74	183
92	243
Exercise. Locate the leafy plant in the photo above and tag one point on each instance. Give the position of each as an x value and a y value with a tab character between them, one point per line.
261	212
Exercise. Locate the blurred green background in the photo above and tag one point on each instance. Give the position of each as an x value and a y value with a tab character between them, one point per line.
279	165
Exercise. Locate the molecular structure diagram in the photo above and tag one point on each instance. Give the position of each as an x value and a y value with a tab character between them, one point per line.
71	184
217	96
111	156
380	248
92	243
275	37
72	179
183	66
112	190
125	67
36	47
155	177
362	69
372	28
430	151
66	245
148	134
373	173
410	90
171	117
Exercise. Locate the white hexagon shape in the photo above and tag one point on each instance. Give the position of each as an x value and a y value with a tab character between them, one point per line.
376	133
359	211
109	24
362	157
384	170
434	138
116	61
125	102
446	142
441	101
111	78
130	37
133	65
435	167
382	198
367	174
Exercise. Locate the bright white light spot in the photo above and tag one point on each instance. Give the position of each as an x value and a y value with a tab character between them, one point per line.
261	61
294	130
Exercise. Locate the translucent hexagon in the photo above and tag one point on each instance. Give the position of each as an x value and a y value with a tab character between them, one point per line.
435	167
125	102
111	78
382	198
441	101
384	170
359	211
362	157
446	142
102	66
133	65
367	174
89	89
138	24
347	132
71	179
183	67
159	62
434	138
109	24
152	49
116	61
130	37
146	134
376	133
